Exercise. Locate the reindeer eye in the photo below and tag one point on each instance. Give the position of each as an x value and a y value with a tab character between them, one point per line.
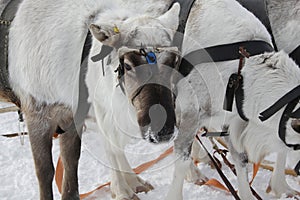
127	67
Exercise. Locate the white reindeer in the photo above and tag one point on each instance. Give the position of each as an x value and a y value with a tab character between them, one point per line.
146	101
258	139
45	46
205	87
220	22
284	20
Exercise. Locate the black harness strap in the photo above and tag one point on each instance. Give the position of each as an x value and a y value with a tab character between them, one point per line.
220	53
284	118
215	134
295	55
105	51
296	114
235	87
259	9
235	91
83	105
185	9
6	18
297	169
289	97
226	52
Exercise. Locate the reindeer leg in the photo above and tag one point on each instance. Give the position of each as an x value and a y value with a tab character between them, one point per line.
136	183
198	154
41	130
70	143
240	158
278	182
119	187
183	166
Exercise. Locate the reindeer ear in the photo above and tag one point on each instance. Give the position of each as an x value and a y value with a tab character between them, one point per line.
107	34
171	18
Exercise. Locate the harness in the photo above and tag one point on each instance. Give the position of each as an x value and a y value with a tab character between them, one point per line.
185	9
290	100
150	57
259	9
6	19
295	55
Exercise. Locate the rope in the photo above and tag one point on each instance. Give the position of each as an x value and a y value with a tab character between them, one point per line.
141	168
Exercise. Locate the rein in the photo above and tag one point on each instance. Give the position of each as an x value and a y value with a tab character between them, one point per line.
222	175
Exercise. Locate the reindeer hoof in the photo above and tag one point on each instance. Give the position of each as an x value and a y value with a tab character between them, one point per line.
294	194
195	176
290	193
144	188
201	181
268	190
134	197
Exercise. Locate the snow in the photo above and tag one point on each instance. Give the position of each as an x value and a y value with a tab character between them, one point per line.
18	180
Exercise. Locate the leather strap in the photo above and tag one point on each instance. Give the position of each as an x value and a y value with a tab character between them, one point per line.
185	9
83	105
297	169
282	124
290	96
105	51
6	18
295	55
222	52
215	134
10	10
235	91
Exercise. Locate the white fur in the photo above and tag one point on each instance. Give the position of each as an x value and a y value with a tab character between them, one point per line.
219	22
206	84
284	18
115	114
53	60
270	78
45	47
49	72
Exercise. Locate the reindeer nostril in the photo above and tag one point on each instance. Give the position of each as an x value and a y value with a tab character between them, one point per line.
296	125
158	117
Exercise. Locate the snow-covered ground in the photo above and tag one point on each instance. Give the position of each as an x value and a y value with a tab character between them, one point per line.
18	180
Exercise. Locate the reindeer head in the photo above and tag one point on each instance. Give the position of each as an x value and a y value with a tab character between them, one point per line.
147	67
